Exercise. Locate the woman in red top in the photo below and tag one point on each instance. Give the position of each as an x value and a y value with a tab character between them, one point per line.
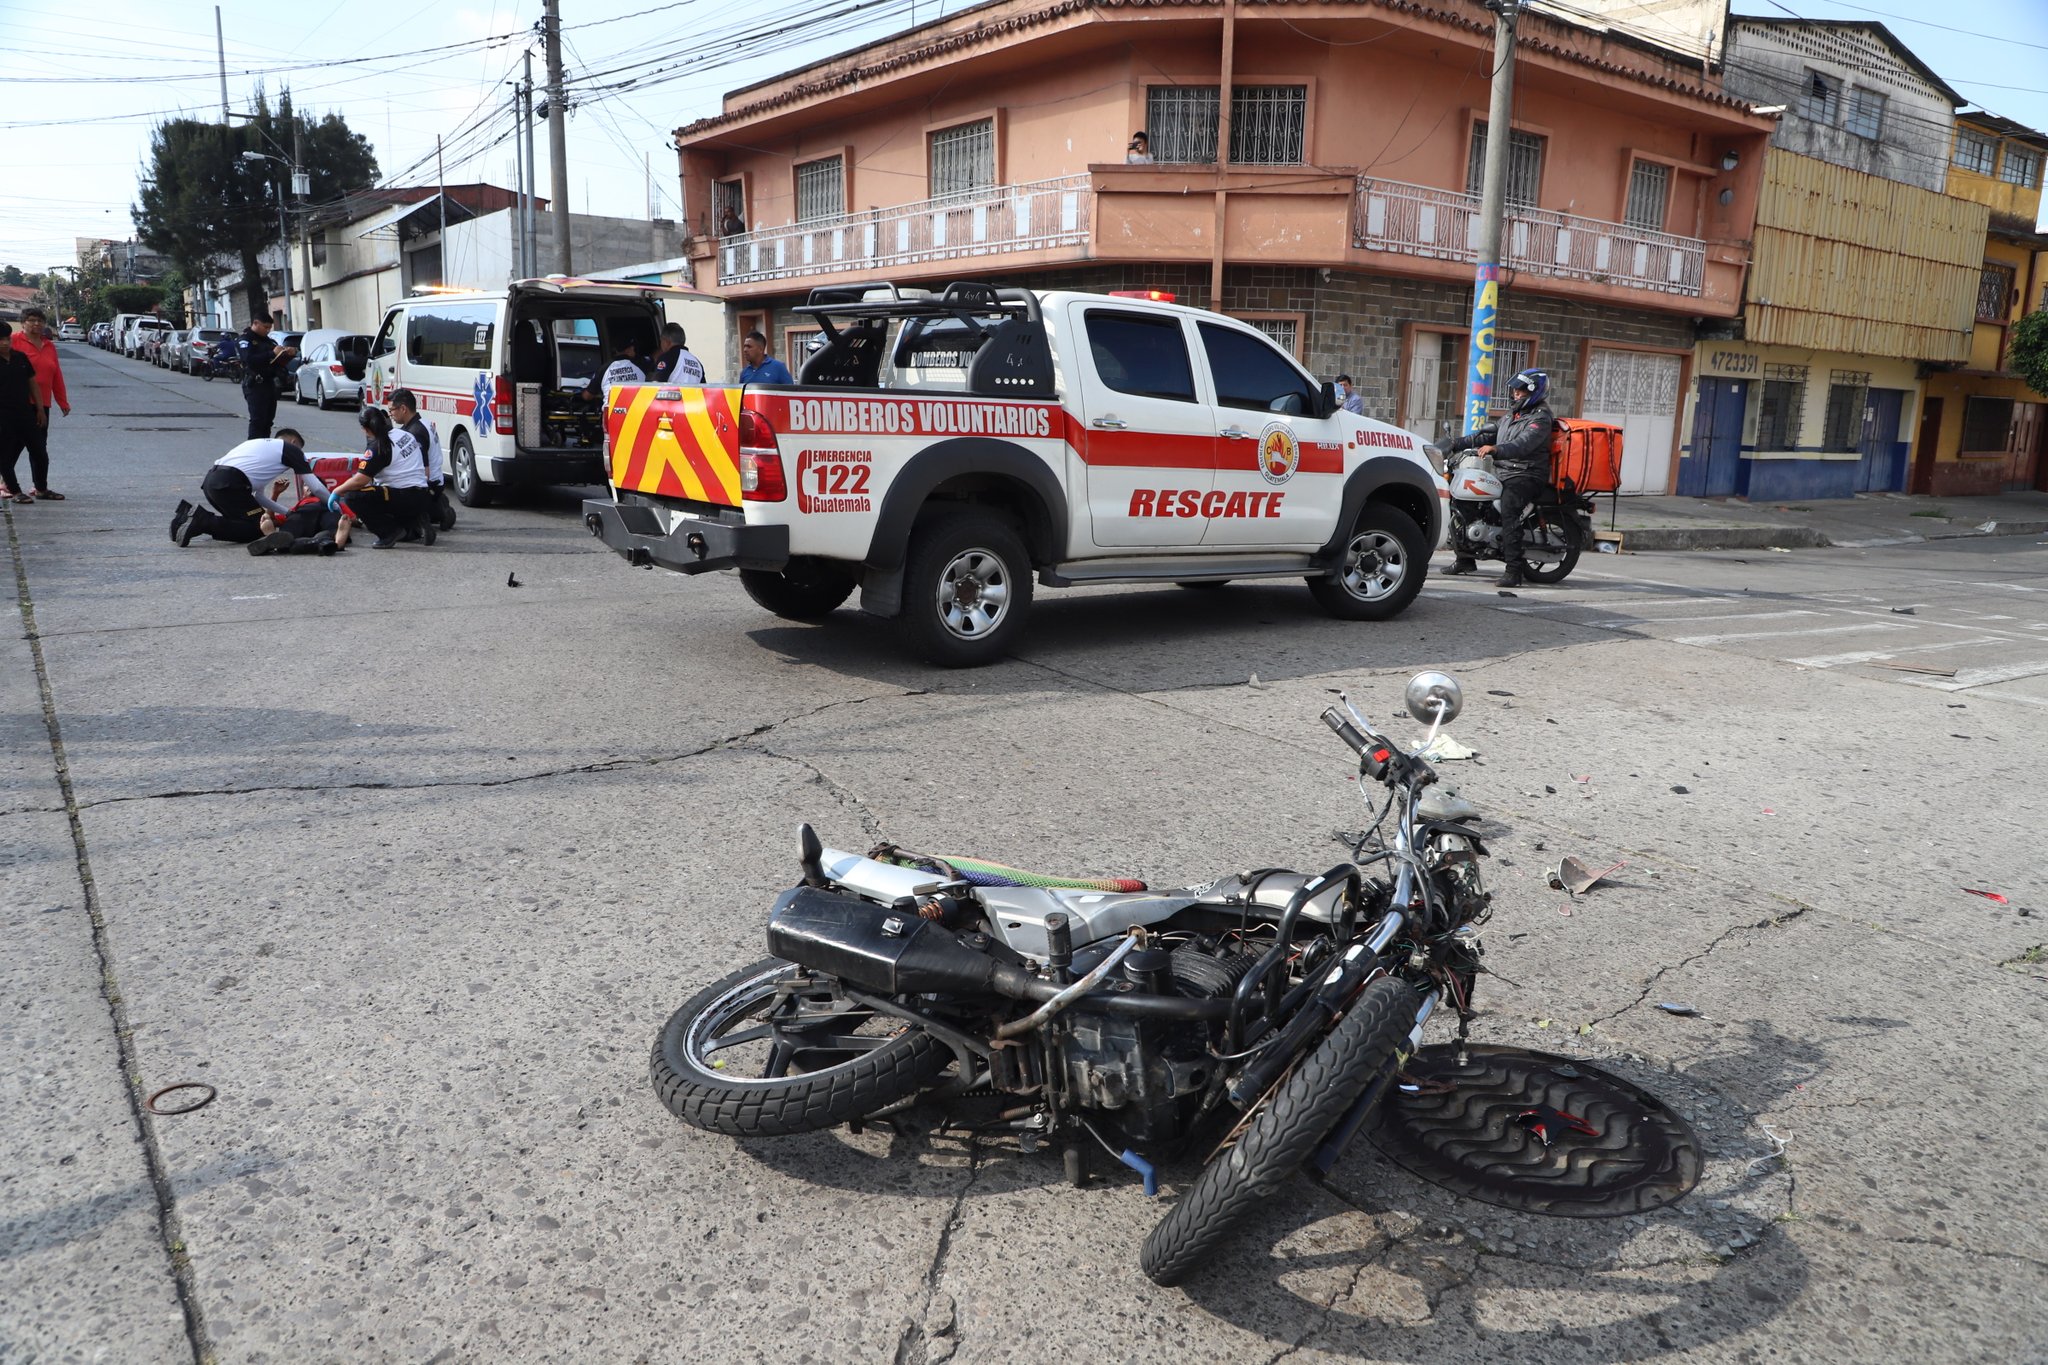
35	342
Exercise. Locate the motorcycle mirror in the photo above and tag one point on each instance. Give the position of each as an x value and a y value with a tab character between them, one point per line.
1435	698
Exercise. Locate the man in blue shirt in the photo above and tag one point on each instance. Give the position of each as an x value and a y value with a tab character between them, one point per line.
761	368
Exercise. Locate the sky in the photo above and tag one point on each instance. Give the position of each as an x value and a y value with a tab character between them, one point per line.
76	109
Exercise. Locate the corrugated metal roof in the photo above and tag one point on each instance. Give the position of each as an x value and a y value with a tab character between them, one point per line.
953	42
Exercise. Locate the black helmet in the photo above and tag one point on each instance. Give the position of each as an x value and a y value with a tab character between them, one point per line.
1528	388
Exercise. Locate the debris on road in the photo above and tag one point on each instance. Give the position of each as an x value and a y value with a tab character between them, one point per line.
1444	748
1778	1148
1904	611
151	1103
512	580
1253	681
1682	791
1992	896
1574	876
1669	1007
1903	666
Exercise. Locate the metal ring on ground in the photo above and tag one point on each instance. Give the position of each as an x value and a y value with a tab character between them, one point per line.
150	1103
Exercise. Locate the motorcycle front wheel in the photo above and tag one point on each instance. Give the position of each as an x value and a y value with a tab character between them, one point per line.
1551	541
766	1053
1283	1130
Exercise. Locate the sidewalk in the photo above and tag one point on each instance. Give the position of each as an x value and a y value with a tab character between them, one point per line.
1672	523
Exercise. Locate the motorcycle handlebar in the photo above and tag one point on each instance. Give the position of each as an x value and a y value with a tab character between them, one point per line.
1346	731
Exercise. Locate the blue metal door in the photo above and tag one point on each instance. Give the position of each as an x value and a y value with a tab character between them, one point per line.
1715	467
1883	467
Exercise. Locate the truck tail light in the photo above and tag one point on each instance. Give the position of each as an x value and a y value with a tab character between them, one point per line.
760	460
501	405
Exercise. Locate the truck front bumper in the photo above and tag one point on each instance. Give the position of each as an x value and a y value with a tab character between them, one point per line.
695	544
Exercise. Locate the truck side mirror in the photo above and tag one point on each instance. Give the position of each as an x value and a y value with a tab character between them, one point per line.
1326	400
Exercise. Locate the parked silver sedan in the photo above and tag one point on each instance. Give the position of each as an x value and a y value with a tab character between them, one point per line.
196	348
332	371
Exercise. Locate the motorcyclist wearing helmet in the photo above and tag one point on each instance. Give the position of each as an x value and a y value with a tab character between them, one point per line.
1521	457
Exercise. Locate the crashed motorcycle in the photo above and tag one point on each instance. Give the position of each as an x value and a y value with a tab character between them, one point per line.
1555	528
1254	1021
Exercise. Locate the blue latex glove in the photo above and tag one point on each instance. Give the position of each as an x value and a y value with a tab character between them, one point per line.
334	502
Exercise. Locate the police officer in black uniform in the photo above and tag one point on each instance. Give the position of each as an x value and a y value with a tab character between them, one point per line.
1521	456
263	370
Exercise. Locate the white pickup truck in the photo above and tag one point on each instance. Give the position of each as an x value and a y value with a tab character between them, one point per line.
941	450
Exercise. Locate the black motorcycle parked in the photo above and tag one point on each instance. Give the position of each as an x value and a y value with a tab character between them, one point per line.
1258	1018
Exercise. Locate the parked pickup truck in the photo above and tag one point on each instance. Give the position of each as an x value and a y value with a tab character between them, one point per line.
942	449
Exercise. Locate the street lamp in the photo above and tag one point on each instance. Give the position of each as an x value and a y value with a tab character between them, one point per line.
301	186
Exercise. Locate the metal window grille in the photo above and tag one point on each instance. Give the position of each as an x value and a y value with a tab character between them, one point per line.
2021	167
1525	165
1281	331
1994	292
1649	191
1180	122
1820	99
727	201
963	159
1844	428
1510	358
1975	152
1866	113
1267	124
1779	407
821	189
1987	424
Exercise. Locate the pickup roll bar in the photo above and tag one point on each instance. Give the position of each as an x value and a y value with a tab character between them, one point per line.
1003	328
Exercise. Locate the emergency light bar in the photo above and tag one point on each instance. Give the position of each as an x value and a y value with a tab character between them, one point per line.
1150	295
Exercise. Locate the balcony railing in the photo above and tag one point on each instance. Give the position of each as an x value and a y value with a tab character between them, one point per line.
1417	220
1035	216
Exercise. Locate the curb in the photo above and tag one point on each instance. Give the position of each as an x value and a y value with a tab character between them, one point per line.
1805	537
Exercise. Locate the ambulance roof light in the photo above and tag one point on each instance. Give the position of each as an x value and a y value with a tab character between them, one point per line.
1151	295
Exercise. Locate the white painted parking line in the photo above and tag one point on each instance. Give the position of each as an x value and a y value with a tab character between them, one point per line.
1783	634
1865	656
1979	677
1629	622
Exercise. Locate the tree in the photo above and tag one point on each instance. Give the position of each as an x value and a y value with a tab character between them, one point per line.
201	201
11	275
132	298
2029	353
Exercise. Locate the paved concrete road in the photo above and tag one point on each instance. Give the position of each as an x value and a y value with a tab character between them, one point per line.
411	864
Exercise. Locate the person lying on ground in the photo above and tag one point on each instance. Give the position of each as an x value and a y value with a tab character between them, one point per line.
238	486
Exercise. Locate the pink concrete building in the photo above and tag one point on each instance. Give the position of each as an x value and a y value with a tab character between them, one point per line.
1341	219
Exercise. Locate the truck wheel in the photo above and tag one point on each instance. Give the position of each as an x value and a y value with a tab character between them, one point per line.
803	592
1380	569
470	488
966	588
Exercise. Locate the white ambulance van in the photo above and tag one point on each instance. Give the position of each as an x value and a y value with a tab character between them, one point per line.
505	373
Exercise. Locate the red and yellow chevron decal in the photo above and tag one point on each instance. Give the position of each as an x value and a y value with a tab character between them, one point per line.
677	443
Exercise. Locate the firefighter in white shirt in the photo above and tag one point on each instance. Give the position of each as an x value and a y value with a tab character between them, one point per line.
388	491
406	416
238	485
624	369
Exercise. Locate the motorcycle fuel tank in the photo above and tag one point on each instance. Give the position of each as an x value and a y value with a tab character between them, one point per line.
1469	483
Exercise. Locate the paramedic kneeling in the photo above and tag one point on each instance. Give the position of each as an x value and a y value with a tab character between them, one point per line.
388	490
238	485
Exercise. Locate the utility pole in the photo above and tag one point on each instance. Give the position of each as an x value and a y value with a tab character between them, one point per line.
1500	113
441	197
302	187
532	181
220	47
558	134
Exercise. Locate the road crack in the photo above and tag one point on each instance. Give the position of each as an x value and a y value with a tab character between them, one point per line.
1713	945
934	1334
170	1230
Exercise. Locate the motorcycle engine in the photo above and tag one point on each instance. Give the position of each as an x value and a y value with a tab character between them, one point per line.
1149	1074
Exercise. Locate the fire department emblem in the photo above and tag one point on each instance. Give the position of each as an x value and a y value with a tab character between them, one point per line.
1279	454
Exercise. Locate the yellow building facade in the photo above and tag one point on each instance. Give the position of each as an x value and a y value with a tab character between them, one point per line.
1981	429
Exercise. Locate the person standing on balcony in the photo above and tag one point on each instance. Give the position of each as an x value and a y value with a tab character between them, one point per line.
761	368
1139	153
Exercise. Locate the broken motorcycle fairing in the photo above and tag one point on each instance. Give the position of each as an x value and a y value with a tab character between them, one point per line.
1254	1019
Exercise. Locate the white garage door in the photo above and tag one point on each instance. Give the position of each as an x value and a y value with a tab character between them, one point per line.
1638	392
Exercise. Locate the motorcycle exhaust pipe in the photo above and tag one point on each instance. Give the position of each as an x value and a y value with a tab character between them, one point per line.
892	951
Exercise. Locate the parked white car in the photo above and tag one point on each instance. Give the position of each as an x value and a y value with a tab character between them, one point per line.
331	368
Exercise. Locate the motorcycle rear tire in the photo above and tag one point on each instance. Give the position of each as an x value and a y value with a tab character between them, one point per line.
1565	528
1292	1120
804	1102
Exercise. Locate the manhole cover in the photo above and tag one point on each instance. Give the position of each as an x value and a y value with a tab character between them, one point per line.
1475	1137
